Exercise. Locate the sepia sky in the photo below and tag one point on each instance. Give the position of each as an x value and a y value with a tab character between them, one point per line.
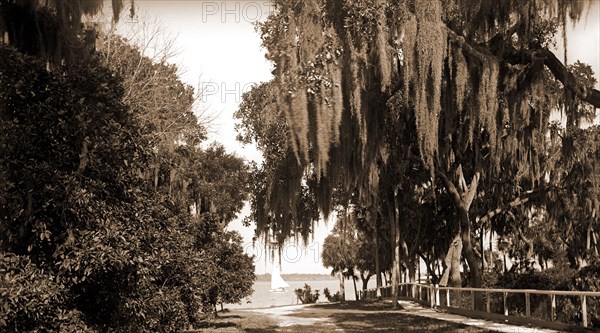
219	53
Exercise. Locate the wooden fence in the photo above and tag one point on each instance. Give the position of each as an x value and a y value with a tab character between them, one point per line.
547	308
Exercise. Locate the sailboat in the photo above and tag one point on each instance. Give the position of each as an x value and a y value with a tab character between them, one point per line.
278	284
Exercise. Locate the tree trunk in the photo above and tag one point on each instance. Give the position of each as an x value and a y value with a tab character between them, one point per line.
404	256
475	272
483	262
451	275
172	175
418	270
377	268
395	249
594	238
355	290
365	280
462	204
342	289
429	264
530	254
588	242
412	272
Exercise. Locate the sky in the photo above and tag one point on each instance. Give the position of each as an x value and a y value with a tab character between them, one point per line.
219	53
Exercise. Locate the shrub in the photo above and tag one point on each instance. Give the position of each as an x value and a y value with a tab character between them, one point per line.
31	299
568	308
551	279
586	279
332	298
306	295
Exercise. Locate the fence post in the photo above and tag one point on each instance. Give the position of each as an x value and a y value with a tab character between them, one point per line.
527	305
472	300
448	297
437	295
552	306
584	311
431	296
487	302
505	305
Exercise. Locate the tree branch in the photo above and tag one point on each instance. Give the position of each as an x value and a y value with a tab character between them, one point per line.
511	55
450	187
470	195
558	69
517	202
465	46
561	73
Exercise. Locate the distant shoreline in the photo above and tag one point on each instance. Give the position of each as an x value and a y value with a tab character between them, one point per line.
297	277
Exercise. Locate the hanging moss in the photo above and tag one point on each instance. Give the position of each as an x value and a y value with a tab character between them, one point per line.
382	48
487	100
294	91
461	78
353	82
337	101
408	37
323	136
424	70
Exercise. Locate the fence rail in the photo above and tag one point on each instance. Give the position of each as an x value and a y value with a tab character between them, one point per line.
515	304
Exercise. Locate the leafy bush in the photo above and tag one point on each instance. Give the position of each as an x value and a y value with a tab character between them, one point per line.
31	299
332	298
586	279
83	245
551	279
306	295
568	308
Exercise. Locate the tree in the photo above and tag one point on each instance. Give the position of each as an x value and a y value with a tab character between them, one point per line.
220	182
339	251
95	248
280	209
70	149
226	274
210	180
469	75
161	103
51	30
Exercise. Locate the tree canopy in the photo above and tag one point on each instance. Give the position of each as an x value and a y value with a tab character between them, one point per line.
112	217
52	30
452	97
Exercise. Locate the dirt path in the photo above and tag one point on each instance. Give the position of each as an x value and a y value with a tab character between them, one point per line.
294	317
367	317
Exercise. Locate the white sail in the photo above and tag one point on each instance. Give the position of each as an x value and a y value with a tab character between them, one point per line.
277	282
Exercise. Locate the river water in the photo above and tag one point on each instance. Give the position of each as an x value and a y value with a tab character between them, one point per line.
263	298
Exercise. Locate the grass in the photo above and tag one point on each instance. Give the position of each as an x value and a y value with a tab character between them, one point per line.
238	321
348	317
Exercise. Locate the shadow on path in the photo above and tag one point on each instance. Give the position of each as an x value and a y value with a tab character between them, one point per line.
363	317
358	317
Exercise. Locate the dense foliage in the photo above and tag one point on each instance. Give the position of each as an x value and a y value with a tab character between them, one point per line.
53	30
88	241
435	118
